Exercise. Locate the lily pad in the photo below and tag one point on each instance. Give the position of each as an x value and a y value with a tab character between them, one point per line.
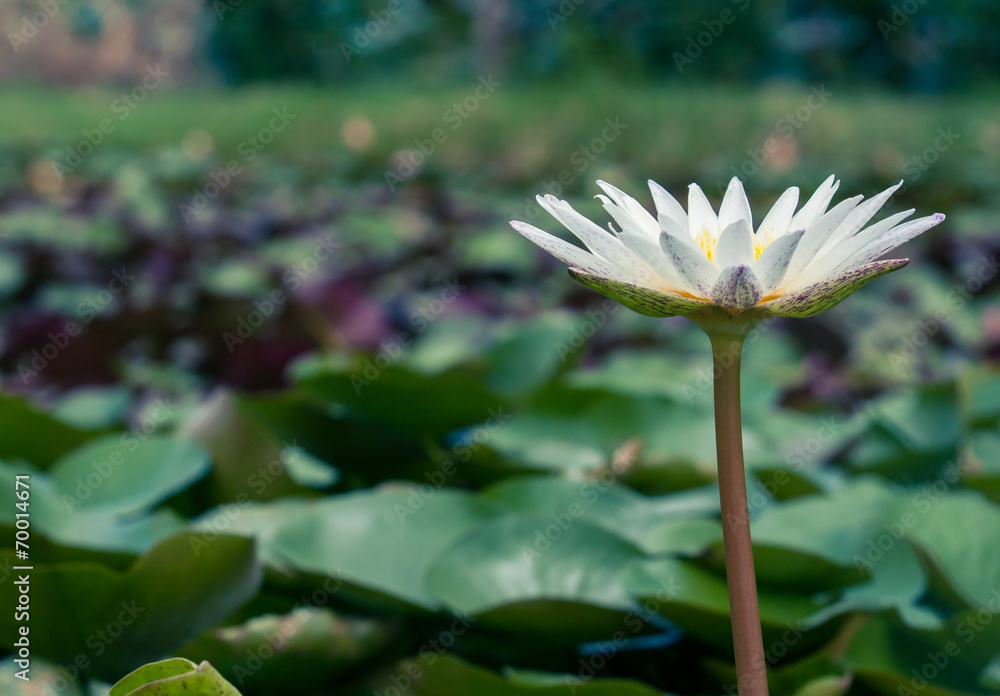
115	621
538	574
409	525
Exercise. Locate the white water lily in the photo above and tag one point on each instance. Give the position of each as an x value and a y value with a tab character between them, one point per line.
794	264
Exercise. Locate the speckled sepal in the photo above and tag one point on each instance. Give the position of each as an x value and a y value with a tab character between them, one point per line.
822	296
737	288
652	303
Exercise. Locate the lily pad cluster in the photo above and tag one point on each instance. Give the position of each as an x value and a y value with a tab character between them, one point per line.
428	467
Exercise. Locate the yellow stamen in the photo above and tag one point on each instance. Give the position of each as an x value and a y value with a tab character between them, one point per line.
707	241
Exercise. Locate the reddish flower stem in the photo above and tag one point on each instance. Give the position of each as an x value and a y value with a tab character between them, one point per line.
743	605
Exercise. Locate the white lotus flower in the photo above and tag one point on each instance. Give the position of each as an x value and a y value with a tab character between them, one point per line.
794	264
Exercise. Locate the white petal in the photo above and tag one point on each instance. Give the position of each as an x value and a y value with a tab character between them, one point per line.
780	215
735	206
653	254
835	260
694	268
735	245
859	217
815	206
895	237
621	216
572	255
813	239
701	215
671	226
770	268
641	217
667	205
597	239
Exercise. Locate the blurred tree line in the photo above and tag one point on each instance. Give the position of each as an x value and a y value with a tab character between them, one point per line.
910	44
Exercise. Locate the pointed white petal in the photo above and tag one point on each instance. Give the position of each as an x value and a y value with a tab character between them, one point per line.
640	216
694	268
735	245
834	260
639	299
653	254
859	217
824	295
737	288
671	226
777	219
621	216
895	237
770	268
572	255
667	205
597	239
735	206
701	215
815	206
815	237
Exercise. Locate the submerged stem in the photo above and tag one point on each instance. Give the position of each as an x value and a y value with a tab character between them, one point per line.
727	346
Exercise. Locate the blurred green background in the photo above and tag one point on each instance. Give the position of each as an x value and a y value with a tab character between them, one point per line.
294	398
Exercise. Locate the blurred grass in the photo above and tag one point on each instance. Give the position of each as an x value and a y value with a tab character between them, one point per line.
524	133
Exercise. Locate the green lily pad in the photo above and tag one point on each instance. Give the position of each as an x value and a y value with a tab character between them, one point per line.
447	675
540	574
33	436
698	601
960	533
174	677
409	526
315	645
126	473
598	501
114	621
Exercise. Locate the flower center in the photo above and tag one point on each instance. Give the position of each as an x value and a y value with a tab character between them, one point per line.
708	241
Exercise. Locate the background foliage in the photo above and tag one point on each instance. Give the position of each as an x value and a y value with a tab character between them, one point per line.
333	427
